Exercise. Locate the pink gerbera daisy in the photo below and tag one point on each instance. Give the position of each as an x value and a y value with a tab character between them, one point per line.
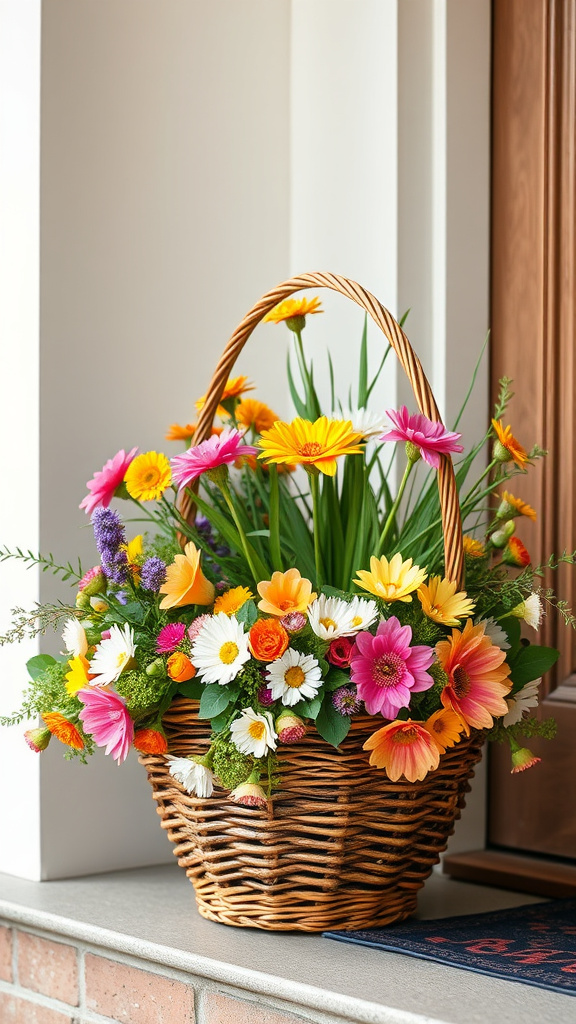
432	439
215	451
105	482
387	670
477	676
105	716
169	637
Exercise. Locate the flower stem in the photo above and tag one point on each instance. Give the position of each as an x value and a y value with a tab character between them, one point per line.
392	514
315	490
311	400
223	485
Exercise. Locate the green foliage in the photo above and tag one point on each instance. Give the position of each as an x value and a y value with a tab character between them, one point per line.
231	766
332	726
142	693
530	663
46	692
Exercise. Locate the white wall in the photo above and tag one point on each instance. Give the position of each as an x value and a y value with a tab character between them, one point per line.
194	153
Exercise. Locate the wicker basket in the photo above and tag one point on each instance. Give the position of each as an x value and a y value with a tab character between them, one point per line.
340	845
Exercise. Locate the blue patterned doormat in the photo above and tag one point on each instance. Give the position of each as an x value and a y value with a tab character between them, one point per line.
534	944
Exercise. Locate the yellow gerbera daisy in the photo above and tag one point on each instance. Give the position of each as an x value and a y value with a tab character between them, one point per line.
506	447
148	476
235	386
442	604
316	444
511	506
392	580
252	413
77	677
444	727
472	547
231	601
291	308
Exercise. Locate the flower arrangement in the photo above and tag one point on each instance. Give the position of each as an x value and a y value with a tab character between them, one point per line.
302	592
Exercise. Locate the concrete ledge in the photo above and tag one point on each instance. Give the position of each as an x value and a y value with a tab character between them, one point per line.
146	919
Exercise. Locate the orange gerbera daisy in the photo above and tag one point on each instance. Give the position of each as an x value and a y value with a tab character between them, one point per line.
178	433
232	600
303	443
506	447
252	413
150	741
185	581
444	727
511	507
285	592
403	748
477	676
63	730
292	308
235	386
472	547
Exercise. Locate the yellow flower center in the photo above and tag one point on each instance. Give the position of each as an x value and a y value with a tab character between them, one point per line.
284	606
407	735
121	659
257	730
327	623
151	476
294	677
357	620
228	652
460	681
388	590
310	449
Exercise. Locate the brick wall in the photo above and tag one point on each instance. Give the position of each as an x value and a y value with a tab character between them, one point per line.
47	981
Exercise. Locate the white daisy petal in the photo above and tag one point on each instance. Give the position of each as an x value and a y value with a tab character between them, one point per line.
220	649
196	779
362	614
495	633
112	655
329	617
520	702
254	733
369	424
294	677
74	637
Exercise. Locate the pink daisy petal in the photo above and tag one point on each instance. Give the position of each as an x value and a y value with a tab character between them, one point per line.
105	482
169	637
431	438
386	669
105	717
215	451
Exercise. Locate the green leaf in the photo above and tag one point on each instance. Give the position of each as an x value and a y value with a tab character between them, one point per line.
37	665
511	627
297	401
308	708
220	722
247	614
332	726
193	689
335	679
363	371
214	700
530	663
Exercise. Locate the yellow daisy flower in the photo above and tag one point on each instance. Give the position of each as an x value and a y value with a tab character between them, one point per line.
77	677
304	443
252	413
444	727
231	601
392	580
511	507
506	447
148	476
442	604
291	308
235	386
472	547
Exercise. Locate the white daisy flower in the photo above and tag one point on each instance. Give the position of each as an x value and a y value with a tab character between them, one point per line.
254	733
196	779
329	617
294	677
220	649
495	633
520	702
112	655
362	614
531	611
74	637
369	424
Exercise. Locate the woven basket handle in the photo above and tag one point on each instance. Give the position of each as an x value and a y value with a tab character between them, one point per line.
451	521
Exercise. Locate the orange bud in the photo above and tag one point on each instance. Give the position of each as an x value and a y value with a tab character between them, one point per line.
180	668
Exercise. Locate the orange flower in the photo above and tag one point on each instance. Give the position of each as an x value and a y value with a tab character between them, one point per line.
178	433
511	506
150	741
477	676
252	413
506	447
63	730
180	668
516	554
292	308
403	748
185	581
232	600
268	639
444	727
235	387
473	548
285	592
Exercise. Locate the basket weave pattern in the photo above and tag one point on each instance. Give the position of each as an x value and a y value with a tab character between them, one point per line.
340	846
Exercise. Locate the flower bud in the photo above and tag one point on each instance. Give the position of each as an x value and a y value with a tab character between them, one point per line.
98	605
265	696
151	740
93	582
156	668
516	554
500	537
250	794
37	739
82	600
522	759
290	727
294	622
413	453
180	668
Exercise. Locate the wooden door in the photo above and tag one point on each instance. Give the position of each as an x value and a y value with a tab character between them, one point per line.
533	296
